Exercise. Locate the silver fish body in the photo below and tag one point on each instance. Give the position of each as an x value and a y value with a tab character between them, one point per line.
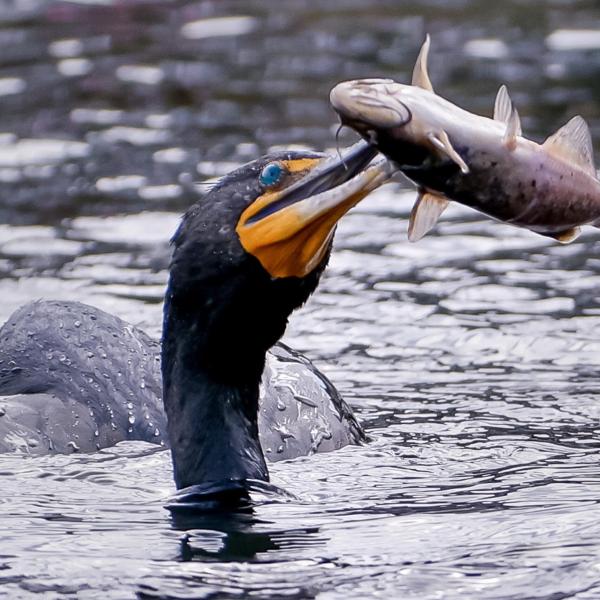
452	154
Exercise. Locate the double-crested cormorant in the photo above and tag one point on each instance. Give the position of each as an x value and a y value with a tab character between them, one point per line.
245	256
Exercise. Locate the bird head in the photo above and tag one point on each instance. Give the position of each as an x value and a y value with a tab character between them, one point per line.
253	248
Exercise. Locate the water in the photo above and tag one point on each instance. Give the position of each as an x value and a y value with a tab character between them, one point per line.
471	357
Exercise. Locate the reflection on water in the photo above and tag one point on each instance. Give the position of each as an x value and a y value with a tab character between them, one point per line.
471	357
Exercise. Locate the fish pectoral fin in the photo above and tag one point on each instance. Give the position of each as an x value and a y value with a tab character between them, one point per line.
566	236
573	143
420	77
425	214
505	112
442	142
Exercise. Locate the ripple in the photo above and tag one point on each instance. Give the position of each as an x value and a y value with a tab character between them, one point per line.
144	228
136	136
145	74
219	27
170	155
495	297
160	192
67	48
486	48
120	183
574	39
11	85
41	247
97	116
74	67
41	152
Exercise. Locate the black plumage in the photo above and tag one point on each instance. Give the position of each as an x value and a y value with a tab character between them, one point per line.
73	377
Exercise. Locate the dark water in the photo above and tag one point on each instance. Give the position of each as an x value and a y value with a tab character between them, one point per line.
472	357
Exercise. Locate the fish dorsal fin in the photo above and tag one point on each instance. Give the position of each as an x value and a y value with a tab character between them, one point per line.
420	76
442	142
425	214
505	112
503	105
513	129
573	143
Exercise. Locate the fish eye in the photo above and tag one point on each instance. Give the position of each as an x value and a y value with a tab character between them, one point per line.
272	174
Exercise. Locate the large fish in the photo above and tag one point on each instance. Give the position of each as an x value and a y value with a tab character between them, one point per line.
452	154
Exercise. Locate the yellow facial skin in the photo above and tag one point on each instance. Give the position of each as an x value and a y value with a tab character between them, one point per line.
293	240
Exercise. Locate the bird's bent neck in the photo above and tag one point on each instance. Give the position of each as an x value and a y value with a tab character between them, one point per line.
211	404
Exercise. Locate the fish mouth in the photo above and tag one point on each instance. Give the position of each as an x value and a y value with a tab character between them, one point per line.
289	230
369	105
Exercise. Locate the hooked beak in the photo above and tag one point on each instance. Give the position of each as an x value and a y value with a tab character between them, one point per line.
289	230
369	104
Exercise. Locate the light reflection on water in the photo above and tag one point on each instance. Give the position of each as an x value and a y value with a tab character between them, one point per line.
471	357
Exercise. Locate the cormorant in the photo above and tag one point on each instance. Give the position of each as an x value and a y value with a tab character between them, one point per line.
245	256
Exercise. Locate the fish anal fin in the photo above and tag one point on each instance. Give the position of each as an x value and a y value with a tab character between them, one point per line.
566	236
573	143
442	142
425	214
420	77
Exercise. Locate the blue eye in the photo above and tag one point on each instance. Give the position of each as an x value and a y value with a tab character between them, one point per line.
272	174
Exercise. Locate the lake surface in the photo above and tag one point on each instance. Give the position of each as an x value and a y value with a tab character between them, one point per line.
472	357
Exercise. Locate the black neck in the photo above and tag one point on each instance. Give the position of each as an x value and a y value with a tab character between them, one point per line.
212	411
222	313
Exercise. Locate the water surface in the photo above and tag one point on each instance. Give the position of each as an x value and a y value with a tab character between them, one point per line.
471	357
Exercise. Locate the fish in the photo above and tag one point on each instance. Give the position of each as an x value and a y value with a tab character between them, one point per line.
454	155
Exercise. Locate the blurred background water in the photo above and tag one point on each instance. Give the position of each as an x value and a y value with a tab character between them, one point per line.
471	357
